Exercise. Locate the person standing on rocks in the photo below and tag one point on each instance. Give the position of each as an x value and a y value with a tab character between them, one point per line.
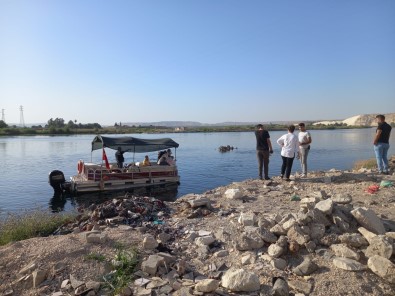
289	149
304	147
381	144
263	150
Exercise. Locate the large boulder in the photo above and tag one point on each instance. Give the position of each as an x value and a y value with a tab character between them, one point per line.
382	267
207	285
380	245
343	251
240	280
368	219
325	206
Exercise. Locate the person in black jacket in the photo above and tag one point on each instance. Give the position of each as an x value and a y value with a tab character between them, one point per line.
263	148
381	144
119	157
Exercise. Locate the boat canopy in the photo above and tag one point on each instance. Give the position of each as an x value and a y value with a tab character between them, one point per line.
132	144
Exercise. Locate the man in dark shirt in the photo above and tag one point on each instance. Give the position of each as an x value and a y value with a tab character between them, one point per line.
381	144
263	148
119	157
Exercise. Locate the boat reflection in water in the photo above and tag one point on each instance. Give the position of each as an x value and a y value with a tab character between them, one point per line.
164	192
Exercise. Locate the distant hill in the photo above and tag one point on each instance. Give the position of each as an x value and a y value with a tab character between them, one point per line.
360	120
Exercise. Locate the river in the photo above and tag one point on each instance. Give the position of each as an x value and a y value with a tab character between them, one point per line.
25	162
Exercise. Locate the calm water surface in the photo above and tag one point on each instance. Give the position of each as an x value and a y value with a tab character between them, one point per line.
25	162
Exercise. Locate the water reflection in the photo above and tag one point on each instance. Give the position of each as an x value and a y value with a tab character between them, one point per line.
58	202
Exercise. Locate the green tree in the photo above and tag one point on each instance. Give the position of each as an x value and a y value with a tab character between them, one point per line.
3	124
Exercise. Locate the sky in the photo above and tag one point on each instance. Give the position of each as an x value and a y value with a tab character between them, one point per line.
209	61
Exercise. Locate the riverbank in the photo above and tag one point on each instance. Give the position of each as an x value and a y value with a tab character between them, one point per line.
232	240
33	131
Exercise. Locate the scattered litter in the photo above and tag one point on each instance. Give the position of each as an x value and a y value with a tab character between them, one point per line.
295	198
372	189
386	184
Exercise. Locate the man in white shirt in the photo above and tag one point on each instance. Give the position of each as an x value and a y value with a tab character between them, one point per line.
289	149
304	147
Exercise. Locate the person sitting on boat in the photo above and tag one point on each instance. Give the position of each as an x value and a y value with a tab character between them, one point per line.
163	160
119	157
146	161
170	158
161	153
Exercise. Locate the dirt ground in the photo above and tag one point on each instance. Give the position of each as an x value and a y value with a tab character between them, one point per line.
64	255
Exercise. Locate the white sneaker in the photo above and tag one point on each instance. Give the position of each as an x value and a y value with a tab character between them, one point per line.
303	176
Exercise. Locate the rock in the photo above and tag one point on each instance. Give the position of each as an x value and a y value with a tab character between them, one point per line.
75	283
305	268
278	230
319	218
28	268
380	245
353	239
92	285
325	206
233	193
149	242
280	287
342	199
344	252
310	246
289	223
59	293
293	246
300	286
340	220
199	202
164	237
348	264
320	194
279	263
368	219
240	280
39	276
204	240
295	233
317	231
308	202
126	291
64	284
207	285
382	267
275	250
204	233
247	219
248	259
150	265
167	257
93	237
156	282
366	234
330	239
265	223
222	253
250	240
268	236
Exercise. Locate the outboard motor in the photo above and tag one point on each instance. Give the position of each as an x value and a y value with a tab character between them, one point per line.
57	180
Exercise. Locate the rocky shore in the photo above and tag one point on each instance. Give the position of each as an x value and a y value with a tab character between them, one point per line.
331	233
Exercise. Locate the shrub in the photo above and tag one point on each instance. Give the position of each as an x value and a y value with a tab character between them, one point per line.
367	164
32	223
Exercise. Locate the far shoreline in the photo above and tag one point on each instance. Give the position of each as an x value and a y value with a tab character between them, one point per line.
17	131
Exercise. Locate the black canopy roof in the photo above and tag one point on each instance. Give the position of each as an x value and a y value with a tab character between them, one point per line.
131	144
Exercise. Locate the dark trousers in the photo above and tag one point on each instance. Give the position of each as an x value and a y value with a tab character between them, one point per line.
263	162
120	164
287	166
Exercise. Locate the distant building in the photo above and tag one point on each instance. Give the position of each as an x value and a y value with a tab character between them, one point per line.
179	129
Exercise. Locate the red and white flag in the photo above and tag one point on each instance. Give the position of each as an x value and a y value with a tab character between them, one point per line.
106	159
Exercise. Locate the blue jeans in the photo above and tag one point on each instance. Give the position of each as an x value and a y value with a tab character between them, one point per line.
381	151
